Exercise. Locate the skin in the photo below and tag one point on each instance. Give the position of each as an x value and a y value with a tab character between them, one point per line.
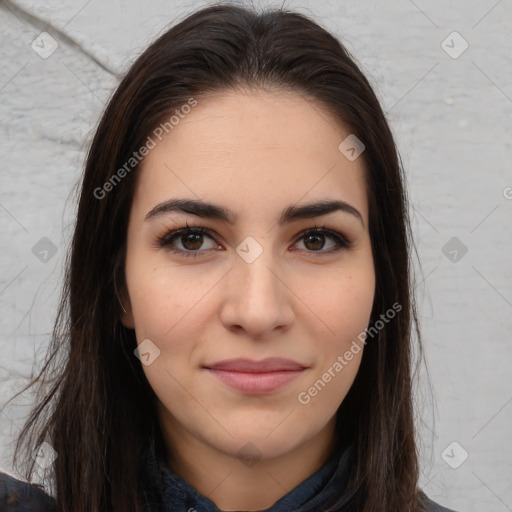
255	153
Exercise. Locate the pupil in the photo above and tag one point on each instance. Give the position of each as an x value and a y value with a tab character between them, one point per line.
318	239
194	239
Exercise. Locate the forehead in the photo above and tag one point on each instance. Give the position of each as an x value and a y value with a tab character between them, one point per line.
254	147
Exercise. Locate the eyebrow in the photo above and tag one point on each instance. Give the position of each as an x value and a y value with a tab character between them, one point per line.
289	214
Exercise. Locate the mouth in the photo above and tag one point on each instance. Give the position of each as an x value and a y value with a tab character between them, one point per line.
256	377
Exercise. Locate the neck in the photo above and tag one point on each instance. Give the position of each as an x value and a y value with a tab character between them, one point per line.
235	484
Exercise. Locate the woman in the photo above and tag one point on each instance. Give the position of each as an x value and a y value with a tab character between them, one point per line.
237	319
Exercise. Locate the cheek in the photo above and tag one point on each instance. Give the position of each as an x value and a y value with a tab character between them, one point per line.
343	305
161	296
163	304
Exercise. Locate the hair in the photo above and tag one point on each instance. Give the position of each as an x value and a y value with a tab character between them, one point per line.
97	402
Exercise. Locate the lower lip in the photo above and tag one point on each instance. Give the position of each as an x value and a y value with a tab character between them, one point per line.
256	382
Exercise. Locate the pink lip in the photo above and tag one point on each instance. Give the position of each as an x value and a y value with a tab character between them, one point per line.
251	376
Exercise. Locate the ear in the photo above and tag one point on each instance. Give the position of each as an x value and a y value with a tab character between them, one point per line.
122	295
126	314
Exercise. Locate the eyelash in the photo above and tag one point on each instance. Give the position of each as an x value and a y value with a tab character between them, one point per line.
166	240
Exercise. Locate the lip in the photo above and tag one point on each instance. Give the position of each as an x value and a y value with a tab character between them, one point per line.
256	377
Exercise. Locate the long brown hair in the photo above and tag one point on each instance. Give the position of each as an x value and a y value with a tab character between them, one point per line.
97	403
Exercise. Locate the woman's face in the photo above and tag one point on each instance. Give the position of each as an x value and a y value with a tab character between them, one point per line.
254	284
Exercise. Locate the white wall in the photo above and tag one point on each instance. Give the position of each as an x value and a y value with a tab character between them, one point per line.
453	122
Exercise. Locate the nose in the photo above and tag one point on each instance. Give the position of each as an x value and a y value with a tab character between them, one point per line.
258	299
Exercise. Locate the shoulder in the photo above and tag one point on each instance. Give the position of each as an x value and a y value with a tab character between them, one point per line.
17	496
432	506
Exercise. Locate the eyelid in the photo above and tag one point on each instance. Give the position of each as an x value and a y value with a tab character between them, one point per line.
164	241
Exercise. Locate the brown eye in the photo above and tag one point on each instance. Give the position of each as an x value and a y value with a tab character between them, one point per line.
314	242
192	241
188	241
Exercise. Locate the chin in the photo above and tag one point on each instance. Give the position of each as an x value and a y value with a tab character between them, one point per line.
252	446
266	440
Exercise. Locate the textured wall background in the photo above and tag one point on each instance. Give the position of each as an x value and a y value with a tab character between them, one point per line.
450	106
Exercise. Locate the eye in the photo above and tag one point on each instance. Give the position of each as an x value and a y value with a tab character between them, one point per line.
314	240
191	239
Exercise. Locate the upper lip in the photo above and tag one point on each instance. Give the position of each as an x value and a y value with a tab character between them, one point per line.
270	364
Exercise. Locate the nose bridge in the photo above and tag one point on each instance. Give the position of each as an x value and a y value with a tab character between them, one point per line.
258	300
254	270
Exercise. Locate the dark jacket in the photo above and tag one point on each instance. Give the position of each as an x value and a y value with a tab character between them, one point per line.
165	491
18	496
168	492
